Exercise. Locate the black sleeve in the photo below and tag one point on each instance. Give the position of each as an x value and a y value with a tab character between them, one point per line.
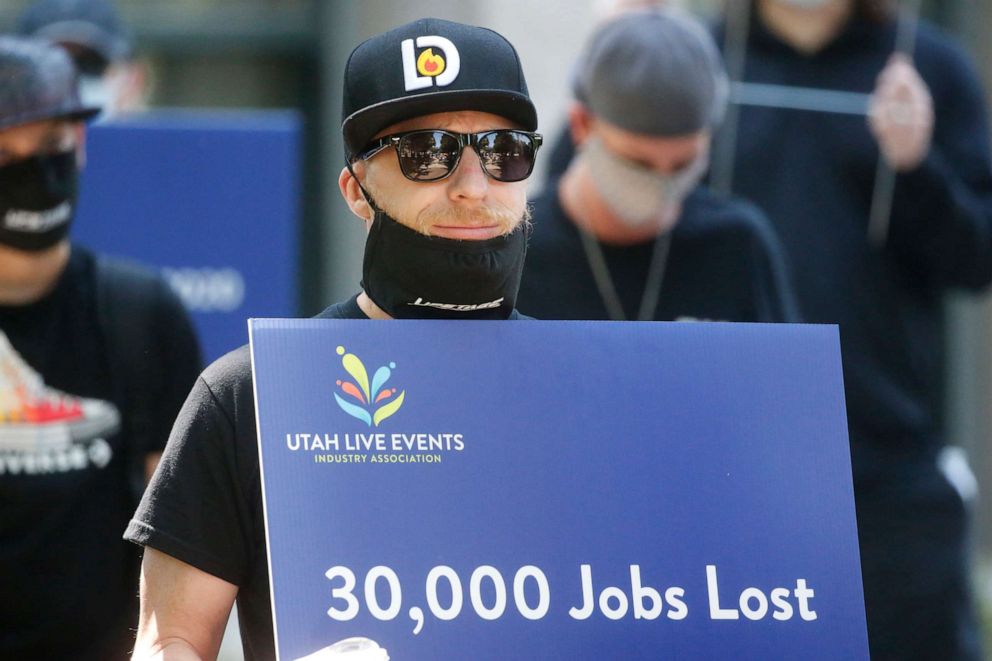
179	362
198	506
942	211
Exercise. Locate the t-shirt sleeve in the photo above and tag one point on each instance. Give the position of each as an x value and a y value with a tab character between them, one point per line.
195	508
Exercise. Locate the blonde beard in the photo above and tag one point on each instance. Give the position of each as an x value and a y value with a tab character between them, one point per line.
498	215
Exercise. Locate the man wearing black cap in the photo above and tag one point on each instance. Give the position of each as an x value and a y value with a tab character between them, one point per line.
95	359
438	129
626	232
94	35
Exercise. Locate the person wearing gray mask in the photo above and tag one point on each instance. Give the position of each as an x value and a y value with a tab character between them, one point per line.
627	231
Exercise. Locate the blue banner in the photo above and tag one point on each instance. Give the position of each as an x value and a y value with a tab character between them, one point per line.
210	198
568	490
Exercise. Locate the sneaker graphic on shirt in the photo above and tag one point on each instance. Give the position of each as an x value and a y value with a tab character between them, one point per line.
35	418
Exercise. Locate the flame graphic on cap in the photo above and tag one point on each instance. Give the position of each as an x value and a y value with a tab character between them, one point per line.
429	64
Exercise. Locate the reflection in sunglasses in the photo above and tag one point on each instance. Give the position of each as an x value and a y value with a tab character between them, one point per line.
506	155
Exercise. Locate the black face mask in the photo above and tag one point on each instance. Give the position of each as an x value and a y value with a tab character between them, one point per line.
413	276
37	200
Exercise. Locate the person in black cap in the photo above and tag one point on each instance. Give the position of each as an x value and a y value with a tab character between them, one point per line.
96	357
96	38
439	137
627	232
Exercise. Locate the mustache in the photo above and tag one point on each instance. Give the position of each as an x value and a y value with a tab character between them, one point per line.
495	214
500	216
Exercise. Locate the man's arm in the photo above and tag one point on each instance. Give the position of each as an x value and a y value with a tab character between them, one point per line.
942	209
184	610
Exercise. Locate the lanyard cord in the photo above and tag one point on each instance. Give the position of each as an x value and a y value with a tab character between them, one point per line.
885	176
735	54
604	281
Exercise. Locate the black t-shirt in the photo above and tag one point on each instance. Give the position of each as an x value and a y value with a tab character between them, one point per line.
724	264
67	581
204	505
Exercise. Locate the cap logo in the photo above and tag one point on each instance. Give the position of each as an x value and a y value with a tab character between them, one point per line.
429	64
430	67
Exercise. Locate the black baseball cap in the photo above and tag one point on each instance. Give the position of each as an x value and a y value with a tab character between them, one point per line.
428	66
37	82
93	27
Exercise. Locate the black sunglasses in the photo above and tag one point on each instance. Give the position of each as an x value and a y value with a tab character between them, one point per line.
507	155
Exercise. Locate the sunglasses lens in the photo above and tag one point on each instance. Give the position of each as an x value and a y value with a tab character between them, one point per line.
507	155
427	155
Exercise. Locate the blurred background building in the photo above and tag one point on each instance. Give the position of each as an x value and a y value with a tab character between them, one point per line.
291	53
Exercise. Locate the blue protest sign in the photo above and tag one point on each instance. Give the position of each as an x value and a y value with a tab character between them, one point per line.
211	198
574	490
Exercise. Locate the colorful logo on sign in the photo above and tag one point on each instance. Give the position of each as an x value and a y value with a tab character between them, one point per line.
370	402
437	65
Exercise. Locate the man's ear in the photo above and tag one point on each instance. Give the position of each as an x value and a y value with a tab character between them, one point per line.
352	194
80	130
580	122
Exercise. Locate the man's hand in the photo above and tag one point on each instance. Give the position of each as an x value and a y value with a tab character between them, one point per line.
900	115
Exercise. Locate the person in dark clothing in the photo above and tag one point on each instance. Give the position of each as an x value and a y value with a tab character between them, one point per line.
626	232
813	173
96	357
438	128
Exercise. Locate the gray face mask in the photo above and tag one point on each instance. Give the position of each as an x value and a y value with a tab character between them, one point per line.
805	4
636	195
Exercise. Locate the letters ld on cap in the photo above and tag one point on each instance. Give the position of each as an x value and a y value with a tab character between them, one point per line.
433	67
